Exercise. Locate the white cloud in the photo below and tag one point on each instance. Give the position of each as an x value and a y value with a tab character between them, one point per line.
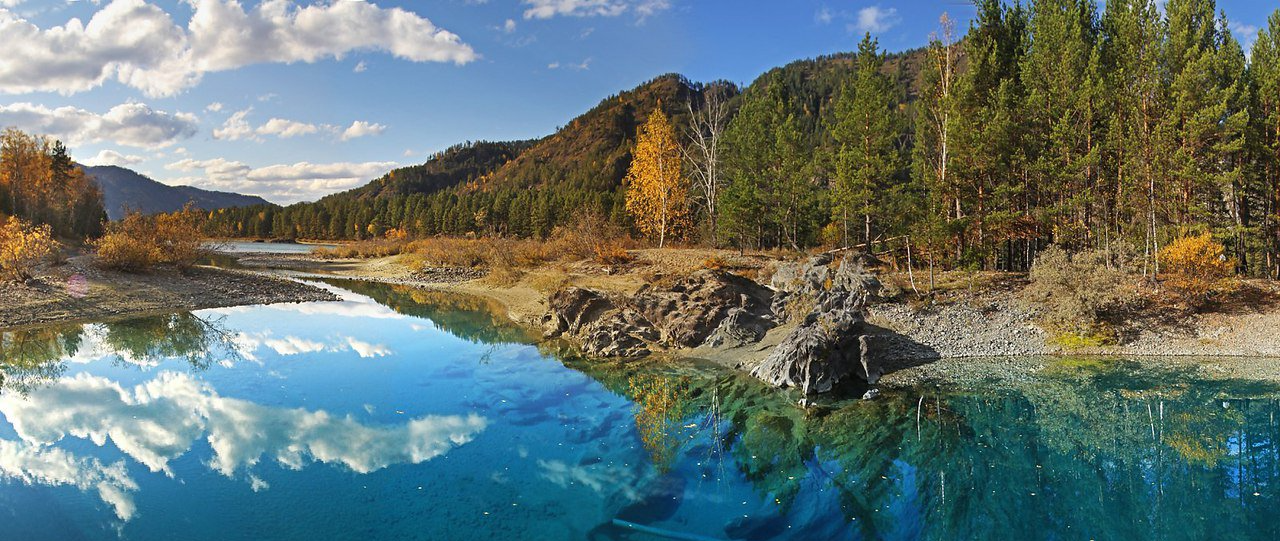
214	107
361	67
140	45
581	66
1244	33
509	26
35	464
824	15
361	128
235	127
111	157
159	420
546	9
285	129
130	124
282	183
876	19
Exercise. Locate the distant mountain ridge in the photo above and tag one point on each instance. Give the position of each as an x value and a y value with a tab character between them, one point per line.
124	189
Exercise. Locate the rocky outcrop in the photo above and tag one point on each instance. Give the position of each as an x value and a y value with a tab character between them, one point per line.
687	312
717	309
709	306
829	345
831	342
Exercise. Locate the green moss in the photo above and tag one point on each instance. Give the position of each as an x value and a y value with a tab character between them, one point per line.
1071	340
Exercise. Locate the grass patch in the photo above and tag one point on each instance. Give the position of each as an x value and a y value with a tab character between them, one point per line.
1071	340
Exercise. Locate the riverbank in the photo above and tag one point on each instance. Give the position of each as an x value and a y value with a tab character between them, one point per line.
79	291
989	320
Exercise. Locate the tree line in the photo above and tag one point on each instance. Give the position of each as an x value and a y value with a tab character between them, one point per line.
41	184
1121	128
1049	123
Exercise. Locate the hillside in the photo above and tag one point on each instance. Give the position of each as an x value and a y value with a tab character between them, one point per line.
460	164
127	189
526	188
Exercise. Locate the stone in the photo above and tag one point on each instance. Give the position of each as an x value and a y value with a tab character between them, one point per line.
830	343
822	350
708	306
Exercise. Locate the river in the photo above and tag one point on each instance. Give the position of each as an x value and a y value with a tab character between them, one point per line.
398	413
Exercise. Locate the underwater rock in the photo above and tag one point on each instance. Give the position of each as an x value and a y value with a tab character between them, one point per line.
658	501
756	527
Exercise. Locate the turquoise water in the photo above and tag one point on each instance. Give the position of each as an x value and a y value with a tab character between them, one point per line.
403	414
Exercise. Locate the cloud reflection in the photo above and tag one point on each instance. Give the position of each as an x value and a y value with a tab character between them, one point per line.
158	421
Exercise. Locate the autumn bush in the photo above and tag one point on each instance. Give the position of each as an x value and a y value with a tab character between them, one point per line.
1194	268
22	247
1079	292
138	243
715	262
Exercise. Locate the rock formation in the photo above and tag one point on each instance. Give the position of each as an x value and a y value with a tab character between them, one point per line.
719	309
707	306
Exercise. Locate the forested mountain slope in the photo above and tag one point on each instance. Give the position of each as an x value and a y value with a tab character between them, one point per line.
124	189
528	187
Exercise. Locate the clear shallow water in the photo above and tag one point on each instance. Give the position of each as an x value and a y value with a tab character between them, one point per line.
401	414
243	247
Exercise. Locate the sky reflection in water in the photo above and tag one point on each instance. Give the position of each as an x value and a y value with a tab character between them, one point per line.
406	414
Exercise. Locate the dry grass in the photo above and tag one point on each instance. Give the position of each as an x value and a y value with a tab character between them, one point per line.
590	238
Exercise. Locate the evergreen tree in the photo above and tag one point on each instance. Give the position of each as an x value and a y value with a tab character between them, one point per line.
1265	71
865	131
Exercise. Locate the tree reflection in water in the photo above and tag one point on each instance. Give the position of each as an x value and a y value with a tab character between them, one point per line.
1113	449
30	358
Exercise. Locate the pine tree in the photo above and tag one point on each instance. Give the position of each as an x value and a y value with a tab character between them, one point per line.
1060	72
865	130
1265	71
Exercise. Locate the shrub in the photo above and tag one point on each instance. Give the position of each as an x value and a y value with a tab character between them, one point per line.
139	242
22	247
613	254
1080	291
715	262
1194	267
120	251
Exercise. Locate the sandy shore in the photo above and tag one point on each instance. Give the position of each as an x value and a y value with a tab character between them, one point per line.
79	291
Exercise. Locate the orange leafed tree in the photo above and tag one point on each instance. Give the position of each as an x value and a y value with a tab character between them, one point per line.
657	191
22	246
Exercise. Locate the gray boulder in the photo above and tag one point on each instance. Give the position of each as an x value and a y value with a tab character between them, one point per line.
687	312
708	306
824	349
831	342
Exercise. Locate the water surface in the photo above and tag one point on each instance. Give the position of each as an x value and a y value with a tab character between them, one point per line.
405	414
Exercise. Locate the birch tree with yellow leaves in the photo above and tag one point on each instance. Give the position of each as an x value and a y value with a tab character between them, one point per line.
657	191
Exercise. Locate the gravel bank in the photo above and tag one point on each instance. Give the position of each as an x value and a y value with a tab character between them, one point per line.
79	291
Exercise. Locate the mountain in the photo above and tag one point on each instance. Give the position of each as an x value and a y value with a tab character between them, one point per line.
125	189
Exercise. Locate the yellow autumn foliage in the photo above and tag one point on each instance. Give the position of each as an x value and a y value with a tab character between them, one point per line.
139	242
657	191
23	246
1194	267
660	405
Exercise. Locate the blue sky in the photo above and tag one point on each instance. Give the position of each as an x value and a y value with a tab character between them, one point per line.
293	100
